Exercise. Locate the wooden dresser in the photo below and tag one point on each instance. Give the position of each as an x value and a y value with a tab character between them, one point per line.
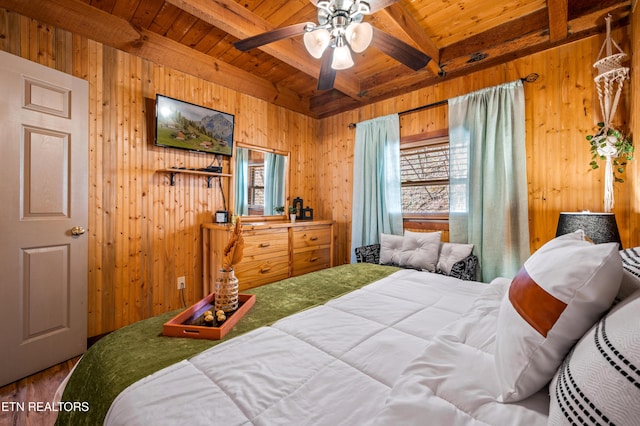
273	251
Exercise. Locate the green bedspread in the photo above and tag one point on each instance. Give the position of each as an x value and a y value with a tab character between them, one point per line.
135	351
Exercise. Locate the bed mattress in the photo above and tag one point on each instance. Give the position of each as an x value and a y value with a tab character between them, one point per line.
410	347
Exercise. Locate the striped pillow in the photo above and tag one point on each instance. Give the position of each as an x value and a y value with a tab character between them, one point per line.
631	275
599	381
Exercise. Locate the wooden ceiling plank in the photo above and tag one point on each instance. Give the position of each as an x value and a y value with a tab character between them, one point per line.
80	18
398	13
242	23
558	19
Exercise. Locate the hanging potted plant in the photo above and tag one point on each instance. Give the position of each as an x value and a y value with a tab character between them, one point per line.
608	143
611	143
616	149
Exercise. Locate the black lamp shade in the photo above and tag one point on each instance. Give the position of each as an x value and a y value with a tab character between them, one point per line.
599	227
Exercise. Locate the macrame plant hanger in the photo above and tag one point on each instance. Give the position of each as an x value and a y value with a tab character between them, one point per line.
609	83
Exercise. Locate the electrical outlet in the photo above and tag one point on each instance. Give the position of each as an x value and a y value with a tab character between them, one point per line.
182	282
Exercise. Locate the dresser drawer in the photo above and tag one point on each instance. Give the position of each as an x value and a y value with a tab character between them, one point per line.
258	270
257	242
311	260
309	237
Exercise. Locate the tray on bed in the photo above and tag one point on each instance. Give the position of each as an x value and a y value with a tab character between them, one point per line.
185	324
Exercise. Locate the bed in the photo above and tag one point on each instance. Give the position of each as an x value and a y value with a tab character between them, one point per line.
381	345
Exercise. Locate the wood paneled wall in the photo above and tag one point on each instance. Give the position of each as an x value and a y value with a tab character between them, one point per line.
144	233
633	169
561	109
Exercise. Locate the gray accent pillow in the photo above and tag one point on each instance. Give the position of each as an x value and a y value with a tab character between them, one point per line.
420	250
390	249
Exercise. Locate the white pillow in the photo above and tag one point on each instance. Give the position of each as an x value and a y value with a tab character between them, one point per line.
559	293
598	383
420	250
450	254
390	249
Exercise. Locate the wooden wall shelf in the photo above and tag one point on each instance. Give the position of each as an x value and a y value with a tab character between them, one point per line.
209	175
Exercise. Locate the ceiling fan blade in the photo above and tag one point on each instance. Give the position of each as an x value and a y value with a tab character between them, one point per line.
327	74
399	50
270	37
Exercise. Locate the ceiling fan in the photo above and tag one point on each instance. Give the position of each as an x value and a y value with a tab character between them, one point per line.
340	30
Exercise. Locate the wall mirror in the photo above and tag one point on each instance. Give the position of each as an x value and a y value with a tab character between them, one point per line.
260	181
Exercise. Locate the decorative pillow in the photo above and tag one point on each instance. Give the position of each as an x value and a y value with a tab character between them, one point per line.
368	254
450	254
420	250
390	249
631	272
558	294
599	381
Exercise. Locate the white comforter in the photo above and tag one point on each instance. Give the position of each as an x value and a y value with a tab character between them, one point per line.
398	351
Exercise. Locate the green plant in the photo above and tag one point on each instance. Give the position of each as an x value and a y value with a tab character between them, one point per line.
609	140
293	210
279	209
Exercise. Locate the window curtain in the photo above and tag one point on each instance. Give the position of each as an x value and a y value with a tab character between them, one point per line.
241	204
273	182
377	206
488	180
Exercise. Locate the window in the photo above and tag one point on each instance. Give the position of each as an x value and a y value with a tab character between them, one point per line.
424	175
256	187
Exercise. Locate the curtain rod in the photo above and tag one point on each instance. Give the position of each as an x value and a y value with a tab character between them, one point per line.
528	79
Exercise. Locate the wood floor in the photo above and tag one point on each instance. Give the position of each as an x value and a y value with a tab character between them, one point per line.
40	389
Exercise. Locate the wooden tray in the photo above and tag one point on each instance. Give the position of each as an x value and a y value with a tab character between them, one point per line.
182	324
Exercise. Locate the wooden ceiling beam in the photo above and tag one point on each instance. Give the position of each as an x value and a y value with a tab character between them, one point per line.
533	23
558	19
81	18
241	23
398	13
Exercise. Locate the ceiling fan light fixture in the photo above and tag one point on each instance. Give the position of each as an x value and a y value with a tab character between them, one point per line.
359	36
342	58
316	41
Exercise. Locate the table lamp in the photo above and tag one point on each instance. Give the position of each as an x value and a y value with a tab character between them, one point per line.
599	227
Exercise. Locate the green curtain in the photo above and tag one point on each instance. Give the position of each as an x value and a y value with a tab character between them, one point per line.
377	201
488	179
241	204
274	166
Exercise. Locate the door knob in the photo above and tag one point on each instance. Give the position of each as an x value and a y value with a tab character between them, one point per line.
77	230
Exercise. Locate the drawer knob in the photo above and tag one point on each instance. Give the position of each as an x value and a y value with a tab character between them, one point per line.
263	245
265	269
313	238
314	259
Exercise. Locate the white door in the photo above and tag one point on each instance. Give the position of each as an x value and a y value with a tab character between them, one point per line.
43	181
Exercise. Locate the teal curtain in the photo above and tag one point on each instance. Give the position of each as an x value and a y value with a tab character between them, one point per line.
377	201
274	166
488	179
241	204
